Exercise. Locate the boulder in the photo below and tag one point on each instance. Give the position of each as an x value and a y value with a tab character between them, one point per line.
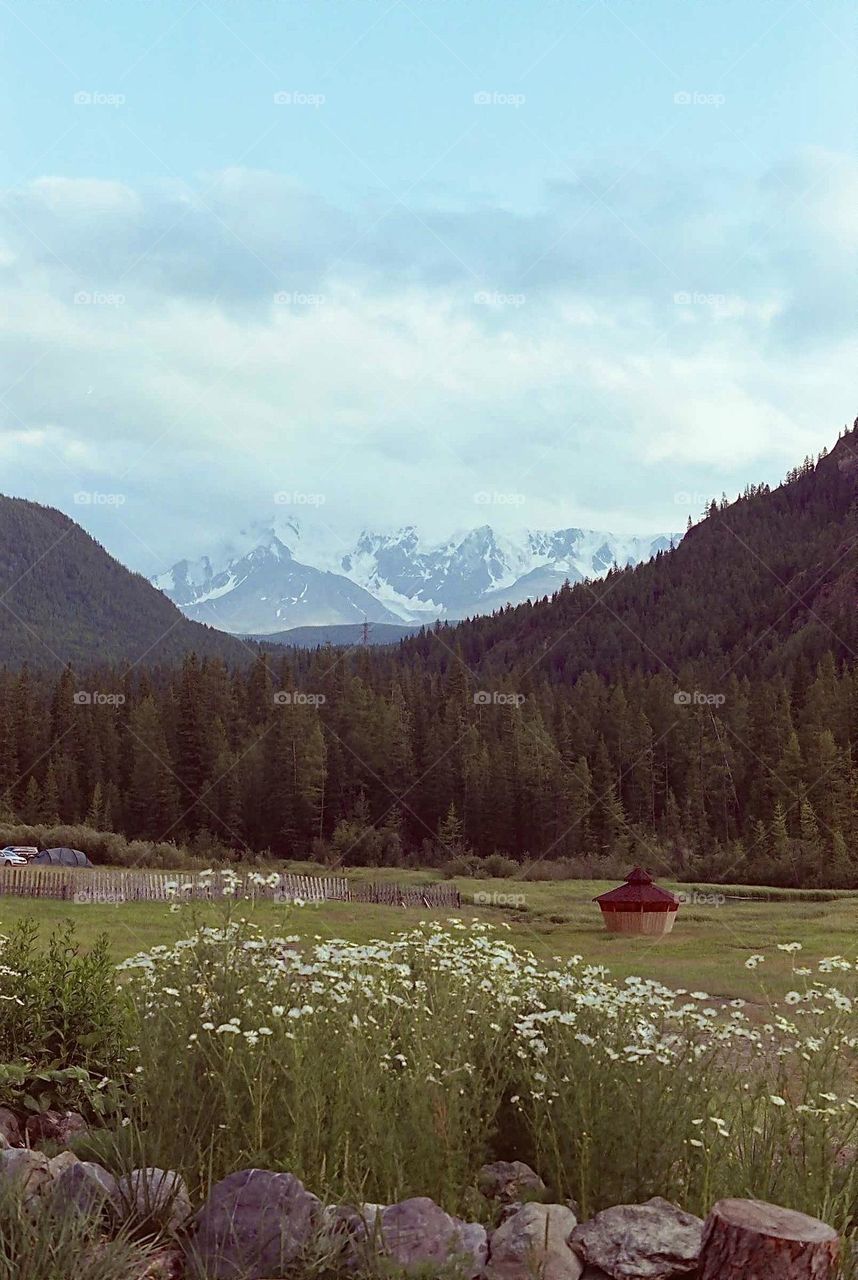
509	1181
253	1225
534	1242
87	1187
58	1164
159	1194
10	1128
55	1126
416	1235
652	1241
31	1169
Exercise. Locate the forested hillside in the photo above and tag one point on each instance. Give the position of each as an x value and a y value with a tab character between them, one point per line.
64	599
699	712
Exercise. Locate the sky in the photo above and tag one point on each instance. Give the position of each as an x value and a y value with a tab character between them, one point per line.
435	262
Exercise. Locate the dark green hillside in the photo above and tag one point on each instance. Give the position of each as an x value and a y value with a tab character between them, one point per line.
64	599
759	585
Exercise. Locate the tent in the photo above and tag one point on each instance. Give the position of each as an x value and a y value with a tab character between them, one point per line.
63	858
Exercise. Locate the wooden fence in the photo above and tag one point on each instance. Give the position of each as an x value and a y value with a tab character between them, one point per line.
96	885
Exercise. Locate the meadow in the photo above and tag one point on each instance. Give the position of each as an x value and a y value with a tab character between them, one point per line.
715	931
379	1054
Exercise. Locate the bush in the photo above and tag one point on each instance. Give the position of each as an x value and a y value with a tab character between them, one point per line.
106	848
497	867
64	1028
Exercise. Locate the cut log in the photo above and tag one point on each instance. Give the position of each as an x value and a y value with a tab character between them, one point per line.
752	1240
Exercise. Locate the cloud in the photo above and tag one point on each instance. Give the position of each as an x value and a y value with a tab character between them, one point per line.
199	347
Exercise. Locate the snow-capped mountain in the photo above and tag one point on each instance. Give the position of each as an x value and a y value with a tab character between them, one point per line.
267	590
307	576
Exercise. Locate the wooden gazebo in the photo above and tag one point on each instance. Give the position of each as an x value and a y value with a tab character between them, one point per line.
638	906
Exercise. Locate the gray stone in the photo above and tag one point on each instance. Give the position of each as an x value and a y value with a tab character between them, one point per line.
30	1169
55	1126
509	1180
10	1128
415	1235
159	1194
652	1241
87	1187
534	1243
253	1225
59	1164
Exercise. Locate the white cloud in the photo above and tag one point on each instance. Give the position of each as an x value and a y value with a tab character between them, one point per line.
145	349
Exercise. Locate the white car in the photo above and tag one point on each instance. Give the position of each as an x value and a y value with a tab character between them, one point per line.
12	857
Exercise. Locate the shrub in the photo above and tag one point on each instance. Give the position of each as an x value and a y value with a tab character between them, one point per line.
63	1026
105	847
498	867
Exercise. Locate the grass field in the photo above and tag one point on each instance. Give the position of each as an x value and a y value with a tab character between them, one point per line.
706	951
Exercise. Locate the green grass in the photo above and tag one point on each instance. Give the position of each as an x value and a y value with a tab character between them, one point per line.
706	950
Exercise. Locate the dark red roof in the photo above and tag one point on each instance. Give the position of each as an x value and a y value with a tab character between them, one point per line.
637	894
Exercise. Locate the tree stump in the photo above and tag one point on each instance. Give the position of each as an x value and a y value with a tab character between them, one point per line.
752	1240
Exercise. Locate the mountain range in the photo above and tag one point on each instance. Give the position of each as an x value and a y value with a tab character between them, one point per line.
301	576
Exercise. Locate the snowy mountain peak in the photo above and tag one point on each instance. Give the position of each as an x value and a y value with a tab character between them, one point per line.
299	574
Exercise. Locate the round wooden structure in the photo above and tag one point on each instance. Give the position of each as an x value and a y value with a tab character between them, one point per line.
638	906
752	1240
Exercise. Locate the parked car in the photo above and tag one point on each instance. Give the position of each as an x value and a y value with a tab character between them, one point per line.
14	856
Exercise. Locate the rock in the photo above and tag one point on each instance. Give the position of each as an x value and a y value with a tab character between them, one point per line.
87	1187
55	1126
31	1169
59	1164
652	1241
508	1181
155	1193
252	1226
534	1242
10	1128
165	1264
417	1235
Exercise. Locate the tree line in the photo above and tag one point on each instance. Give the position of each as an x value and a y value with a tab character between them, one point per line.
368	757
